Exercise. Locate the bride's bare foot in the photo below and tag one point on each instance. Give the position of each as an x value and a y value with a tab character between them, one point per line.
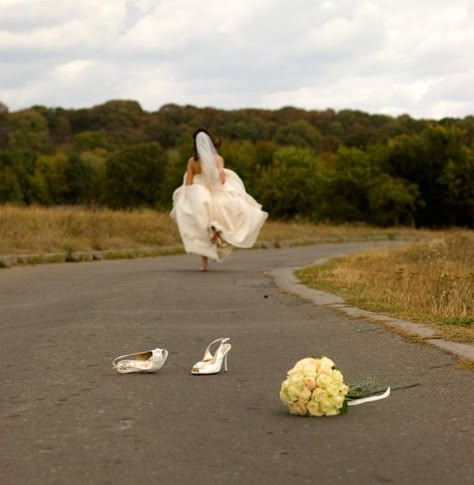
204	264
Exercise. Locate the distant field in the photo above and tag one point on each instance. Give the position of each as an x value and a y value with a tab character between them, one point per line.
49	230
430	281
39	230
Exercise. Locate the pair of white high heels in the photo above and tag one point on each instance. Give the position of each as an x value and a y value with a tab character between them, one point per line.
155	359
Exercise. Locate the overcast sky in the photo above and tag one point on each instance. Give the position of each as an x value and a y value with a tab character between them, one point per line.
380	56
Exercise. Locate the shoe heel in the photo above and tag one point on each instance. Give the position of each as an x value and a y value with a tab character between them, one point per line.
225	362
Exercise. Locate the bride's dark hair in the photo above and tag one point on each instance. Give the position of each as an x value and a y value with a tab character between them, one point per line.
215	141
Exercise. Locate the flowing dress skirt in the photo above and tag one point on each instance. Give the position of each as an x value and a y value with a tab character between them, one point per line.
199	210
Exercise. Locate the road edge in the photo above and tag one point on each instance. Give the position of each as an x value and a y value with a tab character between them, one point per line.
285	279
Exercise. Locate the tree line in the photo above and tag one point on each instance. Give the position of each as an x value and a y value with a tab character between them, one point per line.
332	166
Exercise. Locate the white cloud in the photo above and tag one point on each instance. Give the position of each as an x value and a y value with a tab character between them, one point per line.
54	29
155	86
374	55
71	71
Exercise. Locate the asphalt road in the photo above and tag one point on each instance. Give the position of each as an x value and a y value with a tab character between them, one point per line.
67	417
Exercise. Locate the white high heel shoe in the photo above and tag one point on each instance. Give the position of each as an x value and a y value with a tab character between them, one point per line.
208	355
212	364
149	361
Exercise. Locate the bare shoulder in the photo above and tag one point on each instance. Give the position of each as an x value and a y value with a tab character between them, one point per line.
194	165
220	161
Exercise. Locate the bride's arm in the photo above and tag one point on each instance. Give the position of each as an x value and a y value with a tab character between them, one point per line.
189	172
220	167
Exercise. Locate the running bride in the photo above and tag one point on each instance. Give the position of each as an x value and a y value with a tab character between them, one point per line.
213	211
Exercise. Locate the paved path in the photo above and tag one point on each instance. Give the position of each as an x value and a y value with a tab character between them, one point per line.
67	417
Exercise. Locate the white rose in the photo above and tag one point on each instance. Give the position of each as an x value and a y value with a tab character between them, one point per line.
310	383
285	399
295	387
297	408
329	407
325	361
305	395
326	405
333	389
326	366
307	366
337	376
314	409
323	380
297	378
332	412
319	394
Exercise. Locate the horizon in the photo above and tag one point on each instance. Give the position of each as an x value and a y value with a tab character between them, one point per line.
249	108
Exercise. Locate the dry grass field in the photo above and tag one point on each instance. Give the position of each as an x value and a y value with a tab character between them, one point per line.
47	230
39	230
430	281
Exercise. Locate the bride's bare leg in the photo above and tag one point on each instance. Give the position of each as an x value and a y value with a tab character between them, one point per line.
205	264
214	236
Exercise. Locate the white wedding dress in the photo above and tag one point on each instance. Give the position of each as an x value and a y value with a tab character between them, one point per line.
208	206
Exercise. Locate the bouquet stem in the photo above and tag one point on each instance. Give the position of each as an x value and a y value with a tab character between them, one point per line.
355	402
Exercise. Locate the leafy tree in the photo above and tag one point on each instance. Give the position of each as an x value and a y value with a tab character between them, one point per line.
422	159
245	125
95	167
122	120
291	186
10	188
392	200
89	140
173	174
22	164
58	125
348	184
458	178
134	176
79	180
166	135
299	134
241	157
265	151
28	130
49	185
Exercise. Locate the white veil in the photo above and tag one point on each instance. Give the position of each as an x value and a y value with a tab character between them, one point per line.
207	155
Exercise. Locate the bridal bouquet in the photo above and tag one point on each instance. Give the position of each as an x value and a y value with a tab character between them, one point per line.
316	387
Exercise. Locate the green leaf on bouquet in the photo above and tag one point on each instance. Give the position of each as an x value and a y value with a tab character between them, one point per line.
368	387
345	407
365	388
